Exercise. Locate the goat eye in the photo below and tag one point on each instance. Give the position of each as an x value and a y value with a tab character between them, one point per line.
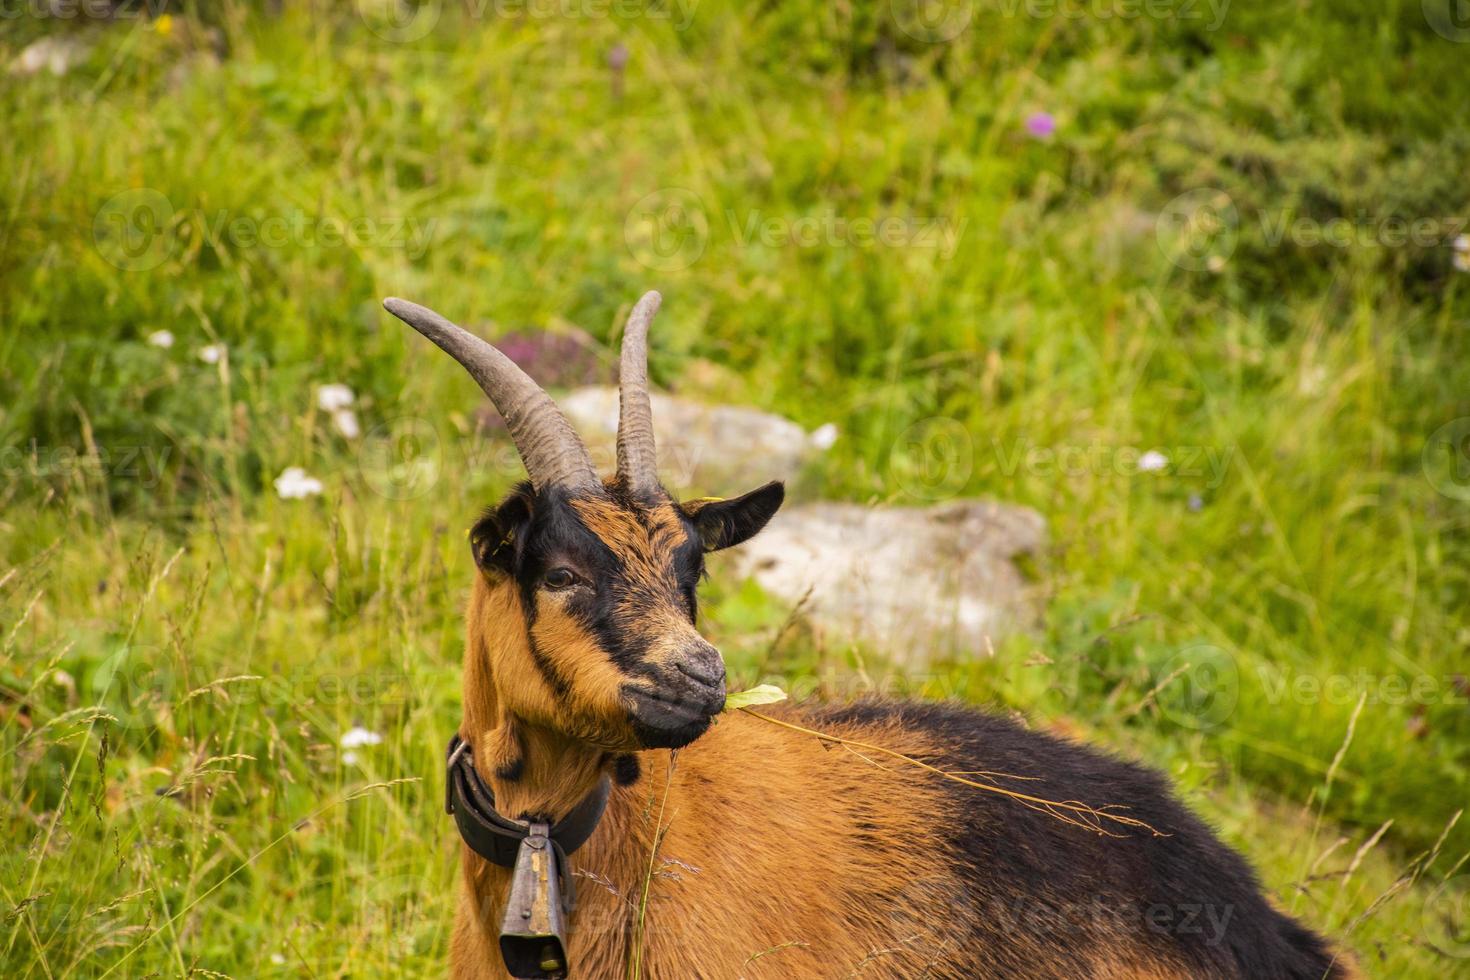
558	578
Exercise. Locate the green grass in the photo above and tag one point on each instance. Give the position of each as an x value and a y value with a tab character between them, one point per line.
1026	337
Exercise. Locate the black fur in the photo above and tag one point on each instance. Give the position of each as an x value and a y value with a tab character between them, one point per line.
726	523
1186	895
530	533
627	770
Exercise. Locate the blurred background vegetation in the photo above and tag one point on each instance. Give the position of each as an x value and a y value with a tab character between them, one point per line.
1228	228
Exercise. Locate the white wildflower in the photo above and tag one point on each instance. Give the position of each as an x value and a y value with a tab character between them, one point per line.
330	398
357	736
212	353
1152	461
823	437
55	54
349	758
161	338
294	484
344	420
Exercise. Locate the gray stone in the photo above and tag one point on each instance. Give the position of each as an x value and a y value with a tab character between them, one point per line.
913	583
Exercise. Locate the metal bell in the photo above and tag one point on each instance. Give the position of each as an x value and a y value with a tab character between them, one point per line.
534	929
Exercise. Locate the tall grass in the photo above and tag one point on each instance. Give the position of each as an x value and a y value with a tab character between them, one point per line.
182	649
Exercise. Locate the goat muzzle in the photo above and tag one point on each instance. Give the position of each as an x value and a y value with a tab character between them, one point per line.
675	708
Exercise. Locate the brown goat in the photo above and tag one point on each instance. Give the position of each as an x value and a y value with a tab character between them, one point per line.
741	849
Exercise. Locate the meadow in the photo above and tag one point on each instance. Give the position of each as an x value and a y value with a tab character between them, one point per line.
1007	248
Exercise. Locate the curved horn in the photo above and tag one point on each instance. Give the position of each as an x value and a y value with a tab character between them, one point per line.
550	448
637	458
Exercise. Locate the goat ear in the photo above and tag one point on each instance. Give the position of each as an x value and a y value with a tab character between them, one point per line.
496	538
725	523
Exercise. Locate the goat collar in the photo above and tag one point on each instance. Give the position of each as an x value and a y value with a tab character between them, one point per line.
497	838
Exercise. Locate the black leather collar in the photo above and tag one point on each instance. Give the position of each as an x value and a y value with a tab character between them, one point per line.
497	838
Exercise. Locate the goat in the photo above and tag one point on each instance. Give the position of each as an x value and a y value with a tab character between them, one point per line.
753	850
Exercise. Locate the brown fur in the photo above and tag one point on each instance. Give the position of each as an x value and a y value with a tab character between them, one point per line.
756	851
778	858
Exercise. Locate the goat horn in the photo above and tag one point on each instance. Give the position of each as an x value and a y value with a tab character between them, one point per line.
637	458
549	446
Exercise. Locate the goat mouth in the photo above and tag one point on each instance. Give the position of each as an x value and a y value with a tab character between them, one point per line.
670	721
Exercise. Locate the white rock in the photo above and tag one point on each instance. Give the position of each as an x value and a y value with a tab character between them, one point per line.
709	449
914	583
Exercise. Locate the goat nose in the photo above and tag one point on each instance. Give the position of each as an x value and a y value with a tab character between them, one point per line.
704	665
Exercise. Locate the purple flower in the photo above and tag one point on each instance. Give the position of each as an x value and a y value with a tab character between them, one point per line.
1041	125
